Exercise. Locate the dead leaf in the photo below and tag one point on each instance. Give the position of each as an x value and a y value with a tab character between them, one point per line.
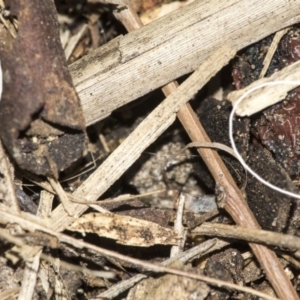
125	230
37	86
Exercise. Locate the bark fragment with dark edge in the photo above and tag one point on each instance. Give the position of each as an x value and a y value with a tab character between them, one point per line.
41	122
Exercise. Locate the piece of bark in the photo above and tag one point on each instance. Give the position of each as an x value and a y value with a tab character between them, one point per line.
37	86
129	67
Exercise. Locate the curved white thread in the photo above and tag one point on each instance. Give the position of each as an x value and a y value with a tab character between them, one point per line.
239	157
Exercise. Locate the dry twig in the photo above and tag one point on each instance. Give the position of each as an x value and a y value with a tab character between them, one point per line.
178	228
250	235
31	224
231	197
63	197
271	51
195	252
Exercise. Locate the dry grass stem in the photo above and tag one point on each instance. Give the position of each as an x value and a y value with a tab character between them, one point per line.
272	49
291	260
10	294
33	261
195	252
218	146
45	204
7	24
72	267
29	277
73	41
39	182
120	198
269	95
170	47
178	228
62	195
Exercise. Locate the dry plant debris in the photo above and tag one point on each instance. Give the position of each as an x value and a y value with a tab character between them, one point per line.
41	122
168	48
61	240
136	232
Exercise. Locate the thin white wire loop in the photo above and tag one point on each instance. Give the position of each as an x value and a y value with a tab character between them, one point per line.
239	157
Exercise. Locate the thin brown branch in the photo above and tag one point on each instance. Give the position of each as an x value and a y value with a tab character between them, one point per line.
233	200
250	235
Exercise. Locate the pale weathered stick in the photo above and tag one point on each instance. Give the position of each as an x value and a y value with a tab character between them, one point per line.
271	51
30	276
266	96
178	227
131	66
62	195
33	263
45	204
145	134
251	235
193	127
